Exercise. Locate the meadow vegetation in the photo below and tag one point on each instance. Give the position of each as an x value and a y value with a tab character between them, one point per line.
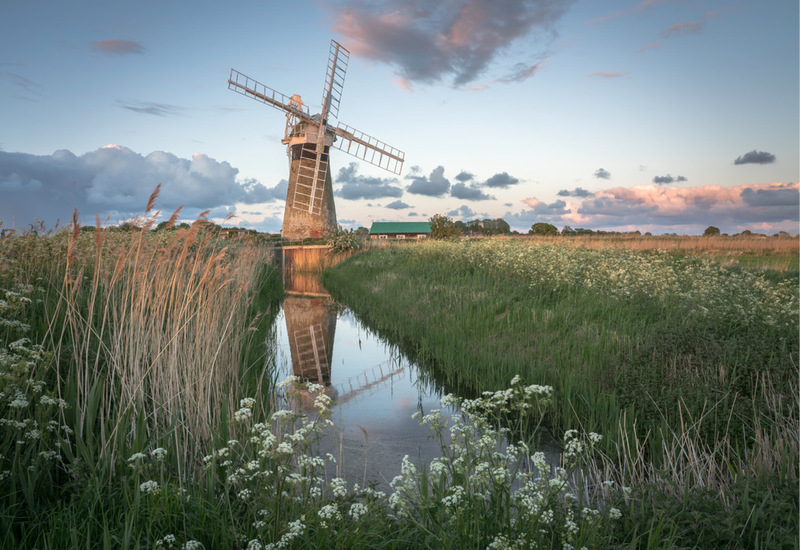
139	409
686	366
139	406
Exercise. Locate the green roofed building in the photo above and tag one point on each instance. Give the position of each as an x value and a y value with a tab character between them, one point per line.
399	230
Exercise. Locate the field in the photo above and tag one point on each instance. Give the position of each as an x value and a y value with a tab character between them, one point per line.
687	368
139	406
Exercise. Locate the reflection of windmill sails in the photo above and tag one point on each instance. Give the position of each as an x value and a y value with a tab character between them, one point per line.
311	325
369	380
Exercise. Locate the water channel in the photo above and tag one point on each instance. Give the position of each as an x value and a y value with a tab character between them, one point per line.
375	389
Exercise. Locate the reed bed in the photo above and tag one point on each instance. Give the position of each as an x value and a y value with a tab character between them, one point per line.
118	343
161	326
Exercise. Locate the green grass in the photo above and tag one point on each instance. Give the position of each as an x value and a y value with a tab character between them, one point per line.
125	358
688	368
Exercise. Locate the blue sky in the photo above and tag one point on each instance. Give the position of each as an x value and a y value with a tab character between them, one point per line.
656	115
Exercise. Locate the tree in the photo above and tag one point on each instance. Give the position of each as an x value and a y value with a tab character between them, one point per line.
497	226
502	226
568	231
342	240
711	231
443	227
542	228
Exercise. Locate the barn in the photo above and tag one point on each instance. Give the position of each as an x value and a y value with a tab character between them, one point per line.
400	230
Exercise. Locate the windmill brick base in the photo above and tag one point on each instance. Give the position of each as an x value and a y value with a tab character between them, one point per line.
299	220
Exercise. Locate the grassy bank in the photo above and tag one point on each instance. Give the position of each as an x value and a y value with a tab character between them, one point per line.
138	409
115	344
687	367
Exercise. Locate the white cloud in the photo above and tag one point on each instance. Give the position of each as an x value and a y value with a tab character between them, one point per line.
116	181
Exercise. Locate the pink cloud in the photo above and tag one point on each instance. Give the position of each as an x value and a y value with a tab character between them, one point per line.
117	47
606	74
428	42
769	207
649	47
682	29
638	8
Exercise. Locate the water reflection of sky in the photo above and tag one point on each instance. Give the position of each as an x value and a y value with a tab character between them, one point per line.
377	391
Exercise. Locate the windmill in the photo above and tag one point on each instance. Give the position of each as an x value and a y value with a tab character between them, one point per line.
310	211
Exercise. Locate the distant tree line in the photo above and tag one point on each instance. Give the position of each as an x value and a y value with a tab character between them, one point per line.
443	227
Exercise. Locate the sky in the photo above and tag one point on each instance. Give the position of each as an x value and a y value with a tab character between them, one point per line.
665	116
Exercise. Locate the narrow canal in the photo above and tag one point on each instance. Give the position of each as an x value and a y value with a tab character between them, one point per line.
375	389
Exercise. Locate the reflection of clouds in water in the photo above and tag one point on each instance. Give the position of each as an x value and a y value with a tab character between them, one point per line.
377	388
403	403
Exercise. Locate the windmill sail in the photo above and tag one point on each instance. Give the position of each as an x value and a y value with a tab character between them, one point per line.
369	149
243	84
332	93
311	180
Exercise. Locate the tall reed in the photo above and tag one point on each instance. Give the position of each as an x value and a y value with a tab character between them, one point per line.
154	329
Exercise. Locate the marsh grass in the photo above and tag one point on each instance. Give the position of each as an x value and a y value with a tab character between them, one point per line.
687	367
777	256
138	407
148	341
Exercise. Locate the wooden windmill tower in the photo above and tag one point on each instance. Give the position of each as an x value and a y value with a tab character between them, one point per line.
310	211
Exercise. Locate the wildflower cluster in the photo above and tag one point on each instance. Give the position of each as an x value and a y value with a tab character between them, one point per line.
277	479
145	466
703	287
486	489
31	427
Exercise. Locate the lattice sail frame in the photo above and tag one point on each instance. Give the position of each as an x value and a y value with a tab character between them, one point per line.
315	133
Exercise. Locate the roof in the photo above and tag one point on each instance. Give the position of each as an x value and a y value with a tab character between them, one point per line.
399	227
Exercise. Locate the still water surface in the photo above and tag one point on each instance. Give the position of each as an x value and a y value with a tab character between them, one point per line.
375	388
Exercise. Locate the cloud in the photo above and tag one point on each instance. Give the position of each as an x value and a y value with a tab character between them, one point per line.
31	91
398	205
689	210
277	193
577	192
683	29
470	193
725	207
25	84
539	211
117	47
615	74
776	196
755	157
501	180
363	187
522	71
655	46
115	181
463	211
434	185
602	173
664	180
464	176
427	42
557	208
149	108
641	6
